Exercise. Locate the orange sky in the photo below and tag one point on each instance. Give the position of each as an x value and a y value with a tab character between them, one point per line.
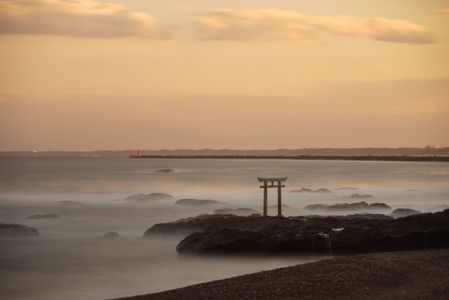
125	74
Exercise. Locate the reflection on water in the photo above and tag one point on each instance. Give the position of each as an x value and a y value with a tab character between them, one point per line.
71	260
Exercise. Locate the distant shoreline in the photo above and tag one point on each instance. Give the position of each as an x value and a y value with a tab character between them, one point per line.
305	157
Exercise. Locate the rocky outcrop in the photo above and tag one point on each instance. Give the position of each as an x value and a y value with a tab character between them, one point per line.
210	223
197	202
151	197
337	235
43	217
235	211
359	196
111	235
404	212
307	190
15	230
356	206
346	188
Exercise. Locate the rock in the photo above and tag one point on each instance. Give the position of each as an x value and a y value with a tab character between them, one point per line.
346	188
151	197
235	211
379	206
321	235
165	171
307	190
69	203
111	235
210	222
197	202
43	217
404	212
348	206
359	196
316	206
15	230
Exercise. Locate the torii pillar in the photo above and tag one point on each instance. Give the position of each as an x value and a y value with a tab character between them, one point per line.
275	182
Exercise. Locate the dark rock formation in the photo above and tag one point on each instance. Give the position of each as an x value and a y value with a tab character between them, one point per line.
379	206
111	235
404	212
69	203
210	222
165	171
151	197
359	196
307	190
235	211
15	230
338	235
197	202
43	217
348	206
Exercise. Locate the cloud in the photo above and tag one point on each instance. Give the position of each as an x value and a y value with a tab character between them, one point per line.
444	12
227	24
79	18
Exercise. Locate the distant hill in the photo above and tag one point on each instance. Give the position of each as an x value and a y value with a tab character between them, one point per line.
425	151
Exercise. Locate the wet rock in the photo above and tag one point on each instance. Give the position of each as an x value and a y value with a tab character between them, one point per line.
197	202
235	211
164	171
151	197
43	217
348	206
15	230
404	212
359	196
111	235
346	188
211	222
379	206
321	235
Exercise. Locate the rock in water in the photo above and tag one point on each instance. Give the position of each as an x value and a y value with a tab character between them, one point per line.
404	212
359	196
197	202
43	217
307	190
337	235
235	211
140	198
15	230
379	206
348	206
111	235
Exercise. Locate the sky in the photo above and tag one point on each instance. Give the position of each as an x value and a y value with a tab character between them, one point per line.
263	74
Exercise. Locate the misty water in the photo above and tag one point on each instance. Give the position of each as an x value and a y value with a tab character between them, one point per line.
71	259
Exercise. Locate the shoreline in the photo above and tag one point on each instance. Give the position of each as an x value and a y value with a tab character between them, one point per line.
304	157
388	275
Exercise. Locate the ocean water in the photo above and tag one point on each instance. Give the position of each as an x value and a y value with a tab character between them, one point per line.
71	260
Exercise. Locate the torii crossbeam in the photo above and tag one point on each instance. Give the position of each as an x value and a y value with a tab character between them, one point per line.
275	182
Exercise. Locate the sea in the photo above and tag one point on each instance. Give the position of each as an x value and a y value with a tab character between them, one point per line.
71	259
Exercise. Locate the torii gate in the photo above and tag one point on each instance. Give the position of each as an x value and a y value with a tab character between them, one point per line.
265	186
